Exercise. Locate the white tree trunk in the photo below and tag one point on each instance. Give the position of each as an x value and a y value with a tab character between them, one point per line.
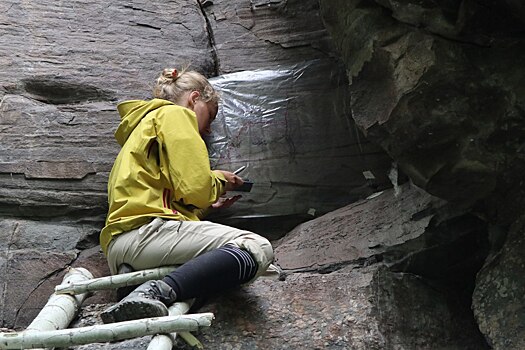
104	333
133	278
114	282
161	342
167	341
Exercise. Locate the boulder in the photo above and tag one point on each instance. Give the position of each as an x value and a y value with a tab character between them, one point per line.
349	293
497	301
426	86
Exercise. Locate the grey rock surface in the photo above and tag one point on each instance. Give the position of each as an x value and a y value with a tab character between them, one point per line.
59	118
28	279
349	235
354	305
436	99
498	298
438	85
259	34
68	64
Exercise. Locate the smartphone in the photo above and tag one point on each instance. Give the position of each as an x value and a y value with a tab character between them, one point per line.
245	187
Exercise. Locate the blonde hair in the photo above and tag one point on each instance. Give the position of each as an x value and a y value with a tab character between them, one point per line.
172	84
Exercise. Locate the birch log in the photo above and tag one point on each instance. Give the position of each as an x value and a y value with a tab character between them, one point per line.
180	309
161	342
115	281
104	333
167	341
133	278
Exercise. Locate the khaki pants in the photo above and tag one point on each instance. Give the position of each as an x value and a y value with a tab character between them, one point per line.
169	242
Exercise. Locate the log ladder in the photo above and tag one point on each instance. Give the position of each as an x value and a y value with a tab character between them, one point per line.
49	328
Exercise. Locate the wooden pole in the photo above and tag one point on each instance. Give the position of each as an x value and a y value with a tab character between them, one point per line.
161	342
115	281
104	333
131	279
167	341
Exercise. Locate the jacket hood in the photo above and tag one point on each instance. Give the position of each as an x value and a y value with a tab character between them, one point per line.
131	113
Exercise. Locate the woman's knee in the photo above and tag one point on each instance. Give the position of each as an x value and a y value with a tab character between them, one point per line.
260	249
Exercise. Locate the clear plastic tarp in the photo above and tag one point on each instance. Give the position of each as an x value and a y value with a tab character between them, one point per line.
292	128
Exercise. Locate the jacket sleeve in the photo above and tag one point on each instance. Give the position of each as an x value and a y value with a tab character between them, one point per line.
184	159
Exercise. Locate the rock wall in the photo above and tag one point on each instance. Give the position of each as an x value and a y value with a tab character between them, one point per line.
498	298
388	272
440	92
68	64
438	86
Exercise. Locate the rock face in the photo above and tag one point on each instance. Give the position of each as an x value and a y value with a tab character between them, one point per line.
439	86
378	291
498	298
69	64
429	86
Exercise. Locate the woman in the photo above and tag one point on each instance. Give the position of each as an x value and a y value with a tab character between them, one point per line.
160	188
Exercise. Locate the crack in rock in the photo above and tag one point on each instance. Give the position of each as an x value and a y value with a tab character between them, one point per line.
58	91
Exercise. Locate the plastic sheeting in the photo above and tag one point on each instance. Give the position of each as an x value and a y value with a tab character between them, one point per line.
292	128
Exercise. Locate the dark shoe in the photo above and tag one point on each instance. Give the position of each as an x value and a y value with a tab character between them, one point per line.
123	292
148	300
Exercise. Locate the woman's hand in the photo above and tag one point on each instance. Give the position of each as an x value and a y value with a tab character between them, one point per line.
233	181
225	202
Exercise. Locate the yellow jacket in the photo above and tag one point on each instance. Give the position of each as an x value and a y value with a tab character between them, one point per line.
162	170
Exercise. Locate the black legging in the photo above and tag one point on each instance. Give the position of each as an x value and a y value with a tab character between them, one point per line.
212	272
